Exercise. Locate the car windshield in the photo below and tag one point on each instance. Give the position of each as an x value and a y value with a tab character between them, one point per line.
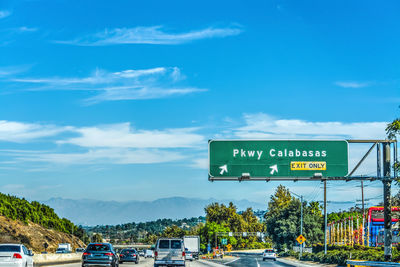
163	244
9	248
99	247
176	244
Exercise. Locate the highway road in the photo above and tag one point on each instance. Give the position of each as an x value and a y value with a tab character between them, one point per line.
242	261
254	261
150	263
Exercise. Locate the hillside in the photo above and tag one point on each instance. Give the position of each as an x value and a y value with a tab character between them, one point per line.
133	230
34	235
34	224
91	212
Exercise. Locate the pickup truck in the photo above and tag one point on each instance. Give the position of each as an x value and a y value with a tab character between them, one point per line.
169	252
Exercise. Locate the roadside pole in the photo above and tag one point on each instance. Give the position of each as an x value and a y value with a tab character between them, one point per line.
325	219
301	224
387	202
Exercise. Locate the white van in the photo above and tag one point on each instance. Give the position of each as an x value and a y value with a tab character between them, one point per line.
169	252
149	253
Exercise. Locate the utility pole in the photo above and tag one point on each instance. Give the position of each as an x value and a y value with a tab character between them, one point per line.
387	202
362	197
301	224
325	219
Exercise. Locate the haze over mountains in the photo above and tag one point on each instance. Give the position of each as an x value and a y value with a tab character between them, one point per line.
97	212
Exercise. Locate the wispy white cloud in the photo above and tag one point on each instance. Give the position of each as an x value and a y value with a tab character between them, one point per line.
19	132
104	156
4	13
150	35
105	144
133	93
129	84
352	84
265	126
26	29
123	135
12	70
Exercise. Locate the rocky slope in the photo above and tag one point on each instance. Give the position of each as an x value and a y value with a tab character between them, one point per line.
34	235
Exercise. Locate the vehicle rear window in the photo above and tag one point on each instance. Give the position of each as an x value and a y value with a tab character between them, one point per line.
125	251
163	244
176	244
9	248
98	247
269	251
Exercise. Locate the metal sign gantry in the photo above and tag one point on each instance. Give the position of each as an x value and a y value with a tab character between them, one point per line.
234	156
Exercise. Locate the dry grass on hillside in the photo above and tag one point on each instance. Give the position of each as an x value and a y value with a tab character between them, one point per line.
34	235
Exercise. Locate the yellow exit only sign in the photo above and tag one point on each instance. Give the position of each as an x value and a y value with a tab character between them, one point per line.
308	165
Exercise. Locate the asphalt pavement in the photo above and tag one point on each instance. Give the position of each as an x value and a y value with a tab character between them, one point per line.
150	263
241	261
254	261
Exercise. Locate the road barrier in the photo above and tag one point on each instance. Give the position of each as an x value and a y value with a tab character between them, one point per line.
53	259
355	263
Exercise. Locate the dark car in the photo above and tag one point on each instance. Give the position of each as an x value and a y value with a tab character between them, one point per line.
129	255
99	254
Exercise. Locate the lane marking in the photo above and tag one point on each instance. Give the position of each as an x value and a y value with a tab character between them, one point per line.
226	263
258	265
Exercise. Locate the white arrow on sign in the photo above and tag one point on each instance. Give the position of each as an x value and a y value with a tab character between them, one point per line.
274	168
223	168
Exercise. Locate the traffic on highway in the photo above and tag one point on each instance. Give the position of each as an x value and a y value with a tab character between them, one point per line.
236	260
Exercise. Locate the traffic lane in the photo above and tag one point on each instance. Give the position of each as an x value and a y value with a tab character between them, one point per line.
142	262
254	261
149	262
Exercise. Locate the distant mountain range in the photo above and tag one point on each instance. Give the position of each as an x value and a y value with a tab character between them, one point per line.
91	212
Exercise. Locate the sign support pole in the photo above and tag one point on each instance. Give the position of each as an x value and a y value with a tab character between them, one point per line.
325	219
387	202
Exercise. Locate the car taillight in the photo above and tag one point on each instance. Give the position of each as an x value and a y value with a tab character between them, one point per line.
109	254
134	255
17	256
156	253
86	254
183	254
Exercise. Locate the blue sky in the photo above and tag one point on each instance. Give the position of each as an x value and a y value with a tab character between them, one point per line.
116	100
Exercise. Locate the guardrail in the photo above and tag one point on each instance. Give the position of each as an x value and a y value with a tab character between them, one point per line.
54	259
372	263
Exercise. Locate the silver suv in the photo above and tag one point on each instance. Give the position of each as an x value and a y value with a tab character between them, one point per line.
169	252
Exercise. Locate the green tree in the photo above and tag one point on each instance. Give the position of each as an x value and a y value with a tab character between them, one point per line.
97	238
283	222
173	231
279	201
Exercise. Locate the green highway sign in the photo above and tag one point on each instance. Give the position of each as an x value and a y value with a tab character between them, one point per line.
274	159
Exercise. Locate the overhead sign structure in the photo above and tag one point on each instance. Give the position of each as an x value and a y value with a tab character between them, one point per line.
275	159
301	239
